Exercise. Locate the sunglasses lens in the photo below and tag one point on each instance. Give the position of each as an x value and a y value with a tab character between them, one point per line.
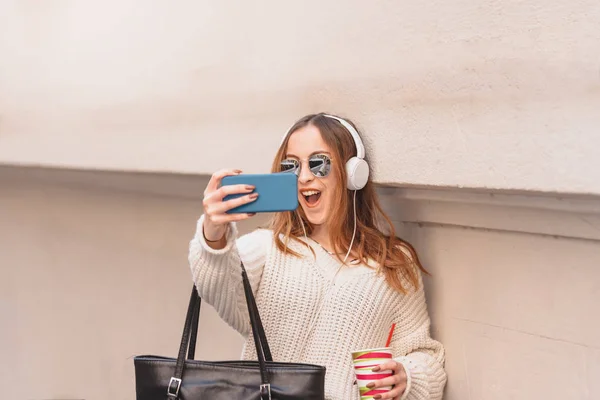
320	165
289	165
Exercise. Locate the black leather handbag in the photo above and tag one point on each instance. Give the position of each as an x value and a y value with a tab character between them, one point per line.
163	378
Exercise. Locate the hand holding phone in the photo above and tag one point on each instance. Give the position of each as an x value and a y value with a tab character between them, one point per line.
216	207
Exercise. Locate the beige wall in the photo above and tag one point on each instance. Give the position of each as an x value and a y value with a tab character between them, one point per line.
455	94
450	93
518	315
95	276
94	268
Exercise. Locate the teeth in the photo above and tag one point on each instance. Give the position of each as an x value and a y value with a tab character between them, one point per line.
310	192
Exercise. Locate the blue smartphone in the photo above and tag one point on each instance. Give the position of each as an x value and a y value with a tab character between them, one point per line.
276	192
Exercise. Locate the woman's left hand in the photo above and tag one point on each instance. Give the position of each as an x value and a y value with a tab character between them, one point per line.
398	380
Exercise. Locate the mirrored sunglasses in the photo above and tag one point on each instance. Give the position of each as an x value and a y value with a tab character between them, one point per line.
319	165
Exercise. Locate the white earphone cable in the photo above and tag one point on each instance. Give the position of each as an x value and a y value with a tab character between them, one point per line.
315	316
354	232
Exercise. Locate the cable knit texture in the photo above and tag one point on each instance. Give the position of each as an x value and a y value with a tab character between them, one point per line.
351	312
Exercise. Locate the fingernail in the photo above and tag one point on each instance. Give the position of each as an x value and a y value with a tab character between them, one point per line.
238	171
371	385
376	369
251	214
377	396
254	195
250	187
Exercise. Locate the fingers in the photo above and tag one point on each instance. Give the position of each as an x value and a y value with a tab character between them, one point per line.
215	179
223	191
218	195
395	393
389	381
227	218
215	209
222	207
397	380
387	366
213	201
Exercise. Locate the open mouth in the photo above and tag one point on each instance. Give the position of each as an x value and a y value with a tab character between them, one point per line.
311	197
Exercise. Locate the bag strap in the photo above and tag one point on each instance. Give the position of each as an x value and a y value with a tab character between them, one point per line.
250	303
175	382
256	326
190	333
257	323
194	331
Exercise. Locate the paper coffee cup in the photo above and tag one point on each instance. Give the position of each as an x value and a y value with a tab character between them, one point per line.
364	361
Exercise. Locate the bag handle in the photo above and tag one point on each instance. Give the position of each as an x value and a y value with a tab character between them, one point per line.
194	329
251	304
190	333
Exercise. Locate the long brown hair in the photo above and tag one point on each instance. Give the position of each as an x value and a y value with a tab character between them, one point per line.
396	258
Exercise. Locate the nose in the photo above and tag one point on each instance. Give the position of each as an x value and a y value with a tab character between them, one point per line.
305	175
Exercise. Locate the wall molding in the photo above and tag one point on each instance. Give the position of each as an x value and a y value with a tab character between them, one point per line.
559	215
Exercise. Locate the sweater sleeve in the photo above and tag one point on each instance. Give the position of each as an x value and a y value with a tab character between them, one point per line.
217	273
421	356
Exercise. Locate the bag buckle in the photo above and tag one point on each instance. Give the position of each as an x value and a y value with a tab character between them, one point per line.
173	392
265	389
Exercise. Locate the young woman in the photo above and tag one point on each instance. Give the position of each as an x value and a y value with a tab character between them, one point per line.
327	280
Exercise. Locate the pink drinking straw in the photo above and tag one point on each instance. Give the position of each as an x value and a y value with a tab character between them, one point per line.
389	339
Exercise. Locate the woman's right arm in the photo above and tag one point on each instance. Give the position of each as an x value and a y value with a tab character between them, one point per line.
215	257
217	272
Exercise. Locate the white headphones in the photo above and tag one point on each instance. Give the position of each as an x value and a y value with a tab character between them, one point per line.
357	168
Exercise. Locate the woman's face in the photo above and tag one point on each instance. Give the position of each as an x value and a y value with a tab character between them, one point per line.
315	193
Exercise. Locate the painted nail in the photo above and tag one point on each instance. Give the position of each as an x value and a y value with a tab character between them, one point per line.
376	369
371	385
251	214
250	187
377	396
253	196
237	171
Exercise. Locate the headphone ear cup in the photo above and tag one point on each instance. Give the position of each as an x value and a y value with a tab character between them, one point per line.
357	171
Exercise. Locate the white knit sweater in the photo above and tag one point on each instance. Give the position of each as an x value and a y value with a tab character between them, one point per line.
354	313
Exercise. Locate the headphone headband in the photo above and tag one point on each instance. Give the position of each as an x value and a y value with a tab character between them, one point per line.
360	148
